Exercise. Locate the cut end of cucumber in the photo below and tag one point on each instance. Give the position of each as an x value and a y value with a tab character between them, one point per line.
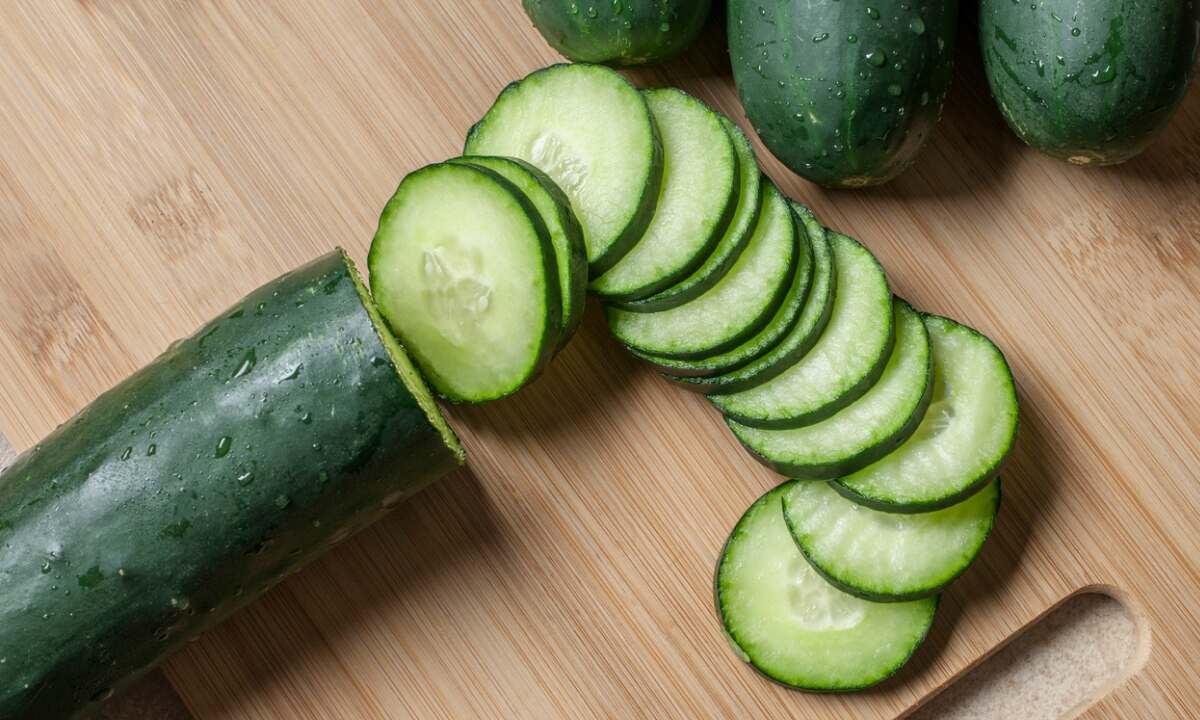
404	366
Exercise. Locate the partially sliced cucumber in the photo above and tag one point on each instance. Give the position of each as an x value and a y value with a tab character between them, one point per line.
735	308
844	363
590	130
967	431
788	622
463	270
570	253
695	204
778	326
737	234
887	557
865	430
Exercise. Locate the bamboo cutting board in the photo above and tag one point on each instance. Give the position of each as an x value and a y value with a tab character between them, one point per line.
160	158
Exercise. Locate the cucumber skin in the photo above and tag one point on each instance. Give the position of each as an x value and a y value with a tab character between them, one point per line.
194	544
797	76
1062	109
630	35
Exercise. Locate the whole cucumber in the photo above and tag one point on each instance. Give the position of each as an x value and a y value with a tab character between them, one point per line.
619	32
186	491
1091	82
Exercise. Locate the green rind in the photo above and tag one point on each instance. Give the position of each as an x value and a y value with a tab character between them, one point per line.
603	252
116	555
883	439
1091	83
737	234
860	589
570	253
968	486
843	113
629	32
551	329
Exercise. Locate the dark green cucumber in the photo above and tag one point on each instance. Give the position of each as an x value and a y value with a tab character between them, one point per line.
185	492
1091	82
622	32
844	93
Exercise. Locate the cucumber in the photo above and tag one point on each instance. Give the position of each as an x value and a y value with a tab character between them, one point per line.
735	308
1092	83
626	32
844	93
730	247
590	130
868	428
570	254
695	204
791	625
185	492
887	557
463	269
845	361
964	437
781	323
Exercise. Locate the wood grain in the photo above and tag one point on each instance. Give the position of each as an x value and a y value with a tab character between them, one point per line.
159	158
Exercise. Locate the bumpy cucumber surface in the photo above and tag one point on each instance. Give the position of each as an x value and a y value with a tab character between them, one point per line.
695	204
845	361
964	437
183	493
590	130
865	430
627	32
793	626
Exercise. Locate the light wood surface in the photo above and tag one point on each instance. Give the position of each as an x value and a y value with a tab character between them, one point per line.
160	158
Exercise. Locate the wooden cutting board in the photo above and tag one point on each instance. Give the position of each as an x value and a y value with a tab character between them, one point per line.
160	158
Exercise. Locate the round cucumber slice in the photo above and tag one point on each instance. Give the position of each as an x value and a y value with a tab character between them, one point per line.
964	437
863	431
736	237
845	361
887	557
695	204
566	235
463	270
790	624
735	308
590	130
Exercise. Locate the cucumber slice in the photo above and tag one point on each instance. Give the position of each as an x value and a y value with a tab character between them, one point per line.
590	130
779	325
791	625
845	361
570	254
735	308
737	235
464	273
865	430
802	335
967	431
695	204
887	557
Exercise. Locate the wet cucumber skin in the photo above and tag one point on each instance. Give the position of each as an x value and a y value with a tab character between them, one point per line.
1091	82
135	526
626	32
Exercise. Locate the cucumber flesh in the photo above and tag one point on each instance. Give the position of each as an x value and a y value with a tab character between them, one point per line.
695	204
735	308
965	435
784	319
736	237
790	624
464	273
845	361
865	430
570	254
887	557
590	130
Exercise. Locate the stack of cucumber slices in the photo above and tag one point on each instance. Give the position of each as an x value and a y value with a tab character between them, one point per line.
891	423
